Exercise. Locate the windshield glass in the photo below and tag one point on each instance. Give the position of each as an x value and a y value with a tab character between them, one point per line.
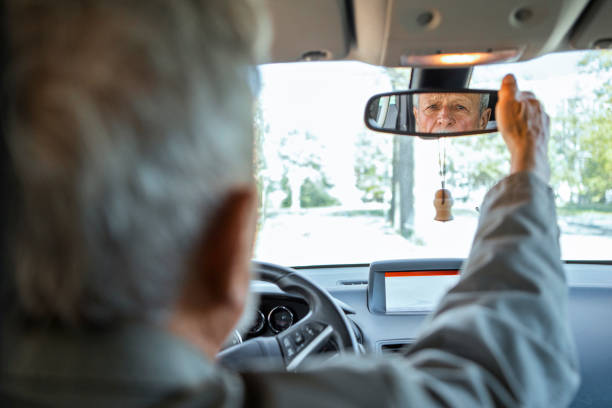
334	192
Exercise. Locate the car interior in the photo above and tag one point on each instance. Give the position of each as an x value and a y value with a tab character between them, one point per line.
364	294
368	304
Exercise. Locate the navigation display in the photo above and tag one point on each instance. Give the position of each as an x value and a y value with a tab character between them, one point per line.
417	291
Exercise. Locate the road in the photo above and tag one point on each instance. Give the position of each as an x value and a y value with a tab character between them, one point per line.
321	236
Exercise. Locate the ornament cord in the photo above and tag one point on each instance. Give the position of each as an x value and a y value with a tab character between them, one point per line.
442	164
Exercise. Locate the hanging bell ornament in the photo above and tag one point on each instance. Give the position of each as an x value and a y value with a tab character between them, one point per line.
443	201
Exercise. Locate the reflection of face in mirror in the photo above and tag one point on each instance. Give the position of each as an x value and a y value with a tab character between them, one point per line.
451	112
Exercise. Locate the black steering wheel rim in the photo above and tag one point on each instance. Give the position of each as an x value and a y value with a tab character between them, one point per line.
322	305
324	320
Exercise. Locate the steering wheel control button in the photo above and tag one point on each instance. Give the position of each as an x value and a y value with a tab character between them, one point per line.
309	331
288	347
298	338
312	329
280	318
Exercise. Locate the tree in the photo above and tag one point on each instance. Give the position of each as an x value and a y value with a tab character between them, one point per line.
597	173
581	137
401	212
468	174
597	131
301	161
316	193
566	151
373	166
260	128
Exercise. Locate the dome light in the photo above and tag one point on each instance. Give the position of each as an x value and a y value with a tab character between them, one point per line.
459	59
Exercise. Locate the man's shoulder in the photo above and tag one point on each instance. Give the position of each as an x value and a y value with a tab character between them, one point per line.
129	366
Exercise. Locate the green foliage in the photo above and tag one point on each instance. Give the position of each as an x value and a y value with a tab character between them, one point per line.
373	166
312	193
596	62
300	149
401	211
566	148
303	174
581	148
315	194
597	173
285	188
259	160
466	173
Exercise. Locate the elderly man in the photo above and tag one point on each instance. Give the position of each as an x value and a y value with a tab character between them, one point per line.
451	112
130	137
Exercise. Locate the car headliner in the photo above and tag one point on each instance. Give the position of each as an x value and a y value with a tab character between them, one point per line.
381	31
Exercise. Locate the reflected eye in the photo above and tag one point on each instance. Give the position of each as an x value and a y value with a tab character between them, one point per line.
432	107
461	107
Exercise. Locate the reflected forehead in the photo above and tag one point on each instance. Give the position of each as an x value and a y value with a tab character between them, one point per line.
465	98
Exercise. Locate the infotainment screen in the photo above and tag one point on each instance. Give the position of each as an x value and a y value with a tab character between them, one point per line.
416	291
409	286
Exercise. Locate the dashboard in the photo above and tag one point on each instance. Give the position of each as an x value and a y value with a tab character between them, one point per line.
276	313
590	288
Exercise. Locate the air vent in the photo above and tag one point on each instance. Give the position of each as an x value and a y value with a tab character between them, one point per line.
392	348
352	282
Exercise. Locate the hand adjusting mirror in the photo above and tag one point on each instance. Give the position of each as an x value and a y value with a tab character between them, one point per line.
432	113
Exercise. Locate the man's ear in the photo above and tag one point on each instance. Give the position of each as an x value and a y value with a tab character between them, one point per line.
416	117
484	118
219	268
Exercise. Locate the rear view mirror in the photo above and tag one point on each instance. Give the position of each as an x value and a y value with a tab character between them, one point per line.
433	113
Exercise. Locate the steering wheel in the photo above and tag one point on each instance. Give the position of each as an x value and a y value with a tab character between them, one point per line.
291	347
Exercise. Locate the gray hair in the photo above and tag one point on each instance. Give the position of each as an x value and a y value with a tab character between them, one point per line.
484	102
130	121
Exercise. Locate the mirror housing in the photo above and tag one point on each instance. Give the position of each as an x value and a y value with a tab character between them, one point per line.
433	113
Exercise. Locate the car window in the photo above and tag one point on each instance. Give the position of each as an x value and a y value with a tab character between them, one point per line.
333	192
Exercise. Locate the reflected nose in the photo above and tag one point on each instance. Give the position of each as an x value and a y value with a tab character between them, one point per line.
445	118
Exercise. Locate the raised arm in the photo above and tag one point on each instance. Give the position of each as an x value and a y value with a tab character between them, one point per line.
502	334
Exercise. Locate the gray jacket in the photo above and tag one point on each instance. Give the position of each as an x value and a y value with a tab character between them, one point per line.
499	338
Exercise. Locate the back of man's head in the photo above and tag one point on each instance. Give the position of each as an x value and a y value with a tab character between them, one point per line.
129	122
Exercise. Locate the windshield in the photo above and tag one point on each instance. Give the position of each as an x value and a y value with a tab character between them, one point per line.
334	192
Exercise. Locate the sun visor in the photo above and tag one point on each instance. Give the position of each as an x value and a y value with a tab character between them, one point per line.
525	29
594	30
309	30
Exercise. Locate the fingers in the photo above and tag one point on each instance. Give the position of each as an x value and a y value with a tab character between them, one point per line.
508	105
509	83
509	92
535	107
528	94
509	89
514	104
525	127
